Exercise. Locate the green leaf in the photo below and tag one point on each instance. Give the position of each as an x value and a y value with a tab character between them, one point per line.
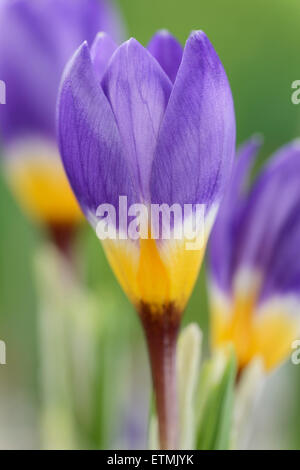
216	400
153	440
188	371
247	393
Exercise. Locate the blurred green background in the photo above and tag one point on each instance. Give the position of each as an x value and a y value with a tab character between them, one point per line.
258	43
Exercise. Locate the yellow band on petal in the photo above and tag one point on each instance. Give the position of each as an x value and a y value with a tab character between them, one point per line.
156	274
159	272
268	333
37	178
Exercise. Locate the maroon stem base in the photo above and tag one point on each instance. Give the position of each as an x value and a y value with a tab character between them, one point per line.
62	235
161	331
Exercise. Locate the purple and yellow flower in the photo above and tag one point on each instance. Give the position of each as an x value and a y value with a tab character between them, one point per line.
155	125
37	37
254	259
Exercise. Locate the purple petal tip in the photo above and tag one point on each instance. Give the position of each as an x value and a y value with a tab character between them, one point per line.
82	50
296	143
197	35
163	32
258	139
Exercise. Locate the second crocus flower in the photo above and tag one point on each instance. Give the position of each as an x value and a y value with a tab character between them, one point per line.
156	126
254	259
37	37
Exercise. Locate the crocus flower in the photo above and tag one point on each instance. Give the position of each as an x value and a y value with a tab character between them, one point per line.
158	127
254	259
37	37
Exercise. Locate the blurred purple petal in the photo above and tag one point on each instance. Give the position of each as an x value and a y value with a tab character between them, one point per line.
273	198
196	142
36	40
102	49
225	231
167	51
138	91
90	143
269	227
260	230
282	276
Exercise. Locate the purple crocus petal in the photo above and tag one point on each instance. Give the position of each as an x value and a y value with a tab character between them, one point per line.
167	51
267	214
225	231
90	143
102	49
196	142
138	91
48	31
282	275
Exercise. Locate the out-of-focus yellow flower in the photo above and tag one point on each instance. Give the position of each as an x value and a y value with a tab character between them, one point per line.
38	180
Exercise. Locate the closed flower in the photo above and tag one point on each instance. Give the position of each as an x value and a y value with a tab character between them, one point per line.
155	126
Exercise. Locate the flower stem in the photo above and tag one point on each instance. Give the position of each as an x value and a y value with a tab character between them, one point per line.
62	235
161	330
